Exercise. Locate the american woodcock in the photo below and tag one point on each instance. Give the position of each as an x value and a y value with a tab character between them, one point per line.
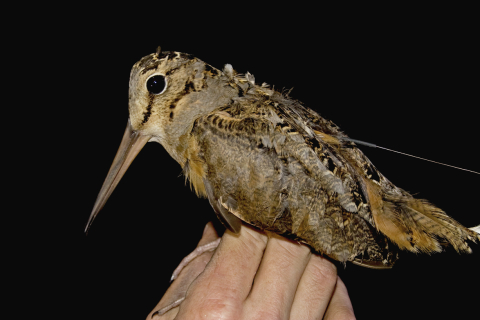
265	159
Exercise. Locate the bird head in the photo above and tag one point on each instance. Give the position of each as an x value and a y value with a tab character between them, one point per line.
168	91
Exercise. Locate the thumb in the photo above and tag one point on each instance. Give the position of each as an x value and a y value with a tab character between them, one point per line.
187	275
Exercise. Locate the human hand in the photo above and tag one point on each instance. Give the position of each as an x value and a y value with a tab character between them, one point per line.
255	276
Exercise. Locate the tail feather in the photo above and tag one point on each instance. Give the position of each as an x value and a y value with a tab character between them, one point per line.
423	225
477	230
444	226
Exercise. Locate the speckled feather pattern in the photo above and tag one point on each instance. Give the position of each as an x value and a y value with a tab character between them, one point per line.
264	158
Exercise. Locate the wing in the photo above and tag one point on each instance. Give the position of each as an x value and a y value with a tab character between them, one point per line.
262	170
412	224
281	167
229	220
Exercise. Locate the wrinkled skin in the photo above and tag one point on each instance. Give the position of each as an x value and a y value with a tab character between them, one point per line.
257	276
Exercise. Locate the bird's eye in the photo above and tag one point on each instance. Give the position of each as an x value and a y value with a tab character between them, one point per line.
156	84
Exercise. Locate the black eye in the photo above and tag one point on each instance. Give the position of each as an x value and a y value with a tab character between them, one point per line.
156	84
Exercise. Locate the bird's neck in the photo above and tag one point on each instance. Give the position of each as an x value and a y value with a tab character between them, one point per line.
177	128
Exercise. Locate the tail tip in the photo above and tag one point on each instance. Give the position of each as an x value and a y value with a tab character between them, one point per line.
477	230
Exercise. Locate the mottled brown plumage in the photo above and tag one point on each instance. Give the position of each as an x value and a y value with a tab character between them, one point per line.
263	158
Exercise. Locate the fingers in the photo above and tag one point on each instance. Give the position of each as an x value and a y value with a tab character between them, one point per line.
277	278
226	281
251	276
179	287
315	289
340	307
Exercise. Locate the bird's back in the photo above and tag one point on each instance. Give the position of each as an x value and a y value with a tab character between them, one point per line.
264	158
279	166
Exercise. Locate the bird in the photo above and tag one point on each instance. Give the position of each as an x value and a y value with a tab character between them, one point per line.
262	158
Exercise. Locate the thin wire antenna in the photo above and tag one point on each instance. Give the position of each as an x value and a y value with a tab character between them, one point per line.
368	144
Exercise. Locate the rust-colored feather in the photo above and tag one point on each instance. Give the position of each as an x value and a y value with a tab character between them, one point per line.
265	159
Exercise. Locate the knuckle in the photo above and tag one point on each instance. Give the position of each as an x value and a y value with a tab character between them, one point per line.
267	315
217	310
253	240
255	235
294	250
323	270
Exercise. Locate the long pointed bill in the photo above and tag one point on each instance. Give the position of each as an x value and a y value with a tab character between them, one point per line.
130	146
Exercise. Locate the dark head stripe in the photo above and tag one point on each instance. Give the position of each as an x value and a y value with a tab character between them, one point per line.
148	113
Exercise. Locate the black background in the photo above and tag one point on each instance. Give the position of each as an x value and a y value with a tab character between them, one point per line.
408	83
